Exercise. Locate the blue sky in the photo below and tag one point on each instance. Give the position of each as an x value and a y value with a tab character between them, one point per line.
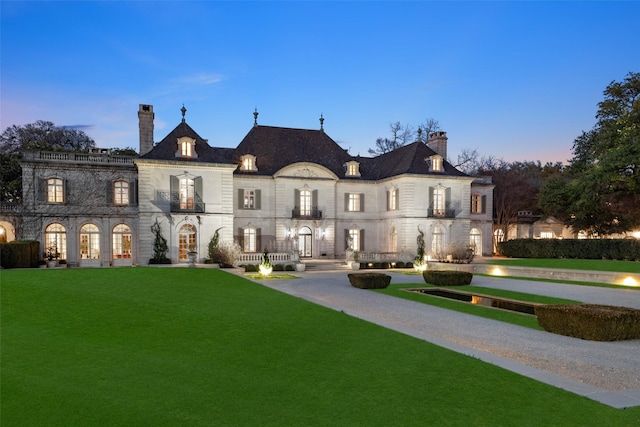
514	80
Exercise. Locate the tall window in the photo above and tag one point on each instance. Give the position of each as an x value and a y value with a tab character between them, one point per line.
354	235
305	202
89	242
353	202
476	203
249	239
393	199
475	240
248	163
437	241
55	237
186	241
249	199
185	149
55	190
436	163
121	241
438	201
121	193
187	191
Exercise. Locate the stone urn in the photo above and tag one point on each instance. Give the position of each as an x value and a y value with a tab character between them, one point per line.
300	267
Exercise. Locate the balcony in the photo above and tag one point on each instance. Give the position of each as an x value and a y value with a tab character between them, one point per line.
313	213
195	205
441	213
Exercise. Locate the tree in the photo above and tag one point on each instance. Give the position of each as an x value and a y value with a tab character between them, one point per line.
41	135
402	135
600	193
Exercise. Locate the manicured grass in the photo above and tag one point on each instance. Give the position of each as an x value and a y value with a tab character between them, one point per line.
574	264
567	282
272	276
180	346
397	290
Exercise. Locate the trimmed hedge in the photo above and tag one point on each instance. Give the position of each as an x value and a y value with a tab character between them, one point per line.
619	249
369	280
590	321
20	254
153	261
447	278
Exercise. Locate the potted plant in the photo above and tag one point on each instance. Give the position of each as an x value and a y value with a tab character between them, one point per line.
51	255
192	254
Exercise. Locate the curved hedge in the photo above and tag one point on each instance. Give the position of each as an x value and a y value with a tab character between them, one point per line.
618	249
447	277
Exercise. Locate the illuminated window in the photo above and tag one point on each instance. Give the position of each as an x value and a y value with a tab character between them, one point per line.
187	192
546	235
89	242
55	238
353	168
393	199
249	199
55	190
305	202
121	241
186	147
475	240
354	235
353	202
121	193
248	163
476	203
249	239
436	163
186	241
438	201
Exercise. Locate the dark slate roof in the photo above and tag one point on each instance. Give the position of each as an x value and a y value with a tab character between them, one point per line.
166	149
407	159
277	147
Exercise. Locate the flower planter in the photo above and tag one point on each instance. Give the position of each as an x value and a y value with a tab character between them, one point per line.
52	264
300	267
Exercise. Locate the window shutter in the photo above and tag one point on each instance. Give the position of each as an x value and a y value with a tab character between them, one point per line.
296	198
240	198
175	184
388	200
109	188
431	198
258	199
361	202
197	183
346	202
346	238
447	197
314	199
259	240
361	242
241	237
65	191
133	192
41	190
397	205
484	204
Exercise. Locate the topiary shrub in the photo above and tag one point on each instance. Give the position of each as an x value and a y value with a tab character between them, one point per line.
408	265
447	278
399	264
289	267
590	321
369	280
386	265
251	268
377	265
278	267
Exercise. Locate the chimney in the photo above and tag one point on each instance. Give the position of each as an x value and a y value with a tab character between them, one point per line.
438	142
145	123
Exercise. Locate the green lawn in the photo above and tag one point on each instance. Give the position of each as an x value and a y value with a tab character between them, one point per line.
180	346
575	264
397	290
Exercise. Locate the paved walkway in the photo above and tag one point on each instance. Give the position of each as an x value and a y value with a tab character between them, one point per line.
608	372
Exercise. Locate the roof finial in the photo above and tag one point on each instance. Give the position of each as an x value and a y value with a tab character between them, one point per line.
420	134
321	122
184	111
255	117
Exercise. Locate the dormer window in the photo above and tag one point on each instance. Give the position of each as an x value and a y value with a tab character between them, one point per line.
353	168
248	163
436	163
186	147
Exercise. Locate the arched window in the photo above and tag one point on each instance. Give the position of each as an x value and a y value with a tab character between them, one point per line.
186	241
55	240
3	234
89	242
121	242
475	240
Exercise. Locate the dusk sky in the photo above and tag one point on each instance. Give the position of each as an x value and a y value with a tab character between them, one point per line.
514	80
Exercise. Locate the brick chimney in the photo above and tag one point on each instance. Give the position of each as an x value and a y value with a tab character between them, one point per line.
145	123
438	142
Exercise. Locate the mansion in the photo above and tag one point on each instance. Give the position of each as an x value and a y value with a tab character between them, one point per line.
284	189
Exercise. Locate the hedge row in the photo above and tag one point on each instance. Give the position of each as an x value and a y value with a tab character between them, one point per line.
619	249
590	321
385	265
20	254
252	268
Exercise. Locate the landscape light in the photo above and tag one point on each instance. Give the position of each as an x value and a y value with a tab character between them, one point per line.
630	281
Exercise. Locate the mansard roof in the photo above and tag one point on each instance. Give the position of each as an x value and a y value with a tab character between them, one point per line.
277	147
166	149
409	159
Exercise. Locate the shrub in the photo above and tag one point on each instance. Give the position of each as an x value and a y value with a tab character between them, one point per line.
289	267
227	254
620	249
590	321
447	278
250	268
278	267
377	265
399	264
385	265
159	261
408	265
19	254
369	280
213	244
